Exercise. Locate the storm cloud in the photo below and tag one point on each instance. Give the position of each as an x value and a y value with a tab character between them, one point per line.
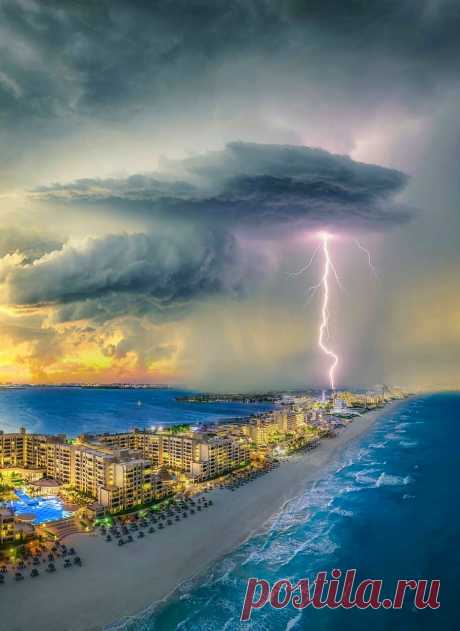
152	152
252	185
85	73
125	271
97	56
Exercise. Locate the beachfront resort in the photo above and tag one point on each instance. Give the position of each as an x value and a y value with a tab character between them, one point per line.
54	486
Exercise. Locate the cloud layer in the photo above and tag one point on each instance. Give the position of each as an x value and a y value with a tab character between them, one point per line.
107	276
78	73
252	185
191	214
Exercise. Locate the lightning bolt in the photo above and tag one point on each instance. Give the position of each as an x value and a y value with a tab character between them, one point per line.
323	284
303	269
368	254
324	326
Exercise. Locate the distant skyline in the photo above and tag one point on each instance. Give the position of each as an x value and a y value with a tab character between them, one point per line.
164	168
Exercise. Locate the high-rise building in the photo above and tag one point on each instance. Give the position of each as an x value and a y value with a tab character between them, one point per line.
118	478
7	526
126	469
199	456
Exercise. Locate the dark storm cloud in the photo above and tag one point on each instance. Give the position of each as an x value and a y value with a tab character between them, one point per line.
253	185
72	57
117	274
94	55
29	243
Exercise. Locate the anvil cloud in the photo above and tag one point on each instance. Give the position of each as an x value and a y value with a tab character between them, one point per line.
252	185
263	188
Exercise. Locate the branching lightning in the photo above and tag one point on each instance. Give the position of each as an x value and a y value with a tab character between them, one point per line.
368	254
328	267
324	326
307	266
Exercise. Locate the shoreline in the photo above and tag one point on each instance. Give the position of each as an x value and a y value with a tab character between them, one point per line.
116	583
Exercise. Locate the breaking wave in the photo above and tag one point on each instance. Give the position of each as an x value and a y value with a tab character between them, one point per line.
306	534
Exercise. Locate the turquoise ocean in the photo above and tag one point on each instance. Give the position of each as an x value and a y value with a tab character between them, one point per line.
388	506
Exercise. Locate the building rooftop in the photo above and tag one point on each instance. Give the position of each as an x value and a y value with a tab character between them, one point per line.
45	482
165	475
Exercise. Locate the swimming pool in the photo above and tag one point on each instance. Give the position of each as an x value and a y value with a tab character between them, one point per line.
44	508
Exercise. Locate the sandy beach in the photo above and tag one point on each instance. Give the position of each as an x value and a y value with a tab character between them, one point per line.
116	582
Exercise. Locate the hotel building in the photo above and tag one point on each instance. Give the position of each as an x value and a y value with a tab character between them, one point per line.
7	526
198	456
121	470
262	432
117	478
275	426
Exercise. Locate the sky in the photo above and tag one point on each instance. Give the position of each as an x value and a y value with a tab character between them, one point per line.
166	167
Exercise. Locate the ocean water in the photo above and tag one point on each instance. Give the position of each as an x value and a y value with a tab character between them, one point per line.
388	507
74	411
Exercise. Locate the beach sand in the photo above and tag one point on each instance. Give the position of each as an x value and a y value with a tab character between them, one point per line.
115	582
